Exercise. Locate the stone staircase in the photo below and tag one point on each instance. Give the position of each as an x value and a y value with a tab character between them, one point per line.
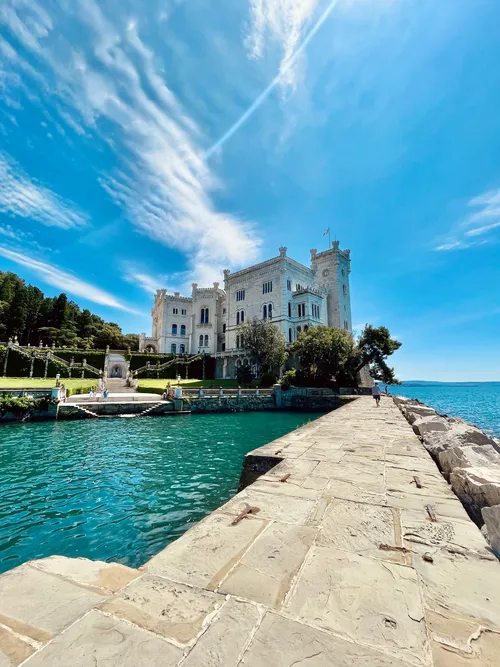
118	386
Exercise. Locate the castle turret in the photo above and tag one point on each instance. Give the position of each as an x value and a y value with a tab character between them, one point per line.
332	268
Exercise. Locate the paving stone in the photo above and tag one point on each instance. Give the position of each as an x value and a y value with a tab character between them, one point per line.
13	650
361	528
419	531
432	483
277	507
277	488
265	572
347	490
368	477
281	642
102	641
94	574
460	584
368	601
415	464
38	605
174	611
299	470
458	641
222	645
205	554
443	507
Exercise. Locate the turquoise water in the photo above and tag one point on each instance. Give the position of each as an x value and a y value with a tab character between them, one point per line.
476	402
120	489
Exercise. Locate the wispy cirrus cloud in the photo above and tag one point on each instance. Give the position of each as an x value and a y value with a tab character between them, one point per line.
24	197
114	87
64	280
474	227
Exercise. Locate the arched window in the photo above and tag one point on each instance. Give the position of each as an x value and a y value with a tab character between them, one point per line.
223	348
206	341
242	316
204	316
173	348
237	341
182	349
237	318
306	328
344	289
183	329
264	312
201	341
290	336
238	362
270	310
299	329
174	329
223	328
289	309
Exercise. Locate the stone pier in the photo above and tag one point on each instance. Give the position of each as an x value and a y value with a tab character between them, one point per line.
355	553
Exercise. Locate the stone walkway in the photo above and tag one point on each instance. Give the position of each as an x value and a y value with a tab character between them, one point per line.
340	565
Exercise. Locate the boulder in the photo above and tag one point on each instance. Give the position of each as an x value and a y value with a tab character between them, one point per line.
424	425
491	516
458	434
413	412
401	401
467	456
477	488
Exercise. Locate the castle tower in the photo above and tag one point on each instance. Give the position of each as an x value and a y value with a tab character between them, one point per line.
331	270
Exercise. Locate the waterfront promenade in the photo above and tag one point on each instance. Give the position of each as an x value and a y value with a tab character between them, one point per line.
355	553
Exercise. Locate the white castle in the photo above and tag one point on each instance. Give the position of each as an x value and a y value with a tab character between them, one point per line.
295	297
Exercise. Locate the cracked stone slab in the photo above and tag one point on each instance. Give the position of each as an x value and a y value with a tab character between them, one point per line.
415	464
97	640
367	476
458	641
13	650
265	572
348	490
466	585
365	600
274	506
287	488
94	574
299	470
174	611
205	554
361	528
222	645
38	605
423	535
282	642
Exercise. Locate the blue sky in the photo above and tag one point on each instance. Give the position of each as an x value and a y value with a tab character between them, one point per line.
152	144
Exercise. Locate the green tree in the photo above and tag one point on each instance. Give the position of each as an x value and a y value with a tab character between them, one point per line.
323	353
18	312
265	343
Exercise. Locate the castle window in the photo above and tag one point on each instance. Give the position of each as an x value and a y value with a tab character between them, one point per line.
237	341
237	318
298	287
182	348
289	309
223	347
206	341
264	312
240	295
302	309
306	328
183	311
270	310
200	342
204	316
344	289
223	328
242	316
289	285
174	329
267	287
224	311
290	335
175	311
173	348
183	329
346	325
299	329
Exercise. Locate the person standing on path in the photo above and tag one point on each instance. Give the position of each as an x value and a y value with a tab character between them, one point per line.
376	394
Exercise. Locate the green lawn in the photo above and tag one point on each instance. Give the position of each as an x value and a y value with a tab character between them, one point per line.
189	384
35	383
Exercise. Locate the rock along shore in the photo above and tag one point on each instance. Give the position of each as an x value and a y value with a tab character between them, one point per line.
467	457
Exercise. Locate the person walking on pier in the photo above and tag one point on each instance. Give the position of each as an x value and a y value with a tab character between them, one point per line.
376	394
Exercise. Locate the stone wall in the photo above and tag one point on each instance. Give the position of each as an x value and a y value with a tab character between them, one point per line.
468	458
231	404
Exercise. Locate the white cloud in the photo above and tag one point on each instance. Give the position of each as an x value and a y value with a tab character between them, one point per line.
114	87
281	22
64	281
21	196
485	219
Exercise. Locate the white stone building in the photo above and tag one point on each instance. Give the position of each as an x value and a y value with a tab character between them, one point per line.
292	295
